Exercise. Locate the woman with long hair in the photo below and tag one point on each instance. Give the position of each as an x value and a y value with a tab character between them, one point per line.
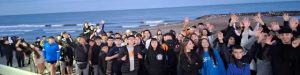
212	62
38	58
155	58
189	62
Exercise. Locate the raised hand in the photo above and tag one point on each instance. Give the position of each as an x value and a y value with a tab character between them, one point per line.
293	23
258	19
234	18
285	17
275	26
186	20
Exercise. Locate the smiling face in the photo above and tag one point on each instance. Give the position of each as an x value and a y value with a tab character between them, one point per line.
205	43
189	46
130	40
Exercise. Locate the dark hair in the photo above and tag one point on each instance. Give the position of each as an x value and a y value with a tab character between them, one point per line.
158	45
51	37
237	47
210	51
36	52
149	33
37	38
130	36
193	26
200	23
98	37
182	48
208	33
138	35
110	38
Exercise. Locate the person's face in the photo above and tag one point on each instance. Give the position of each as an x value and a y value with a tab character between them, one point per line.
195	38
295	43
98	41
86	25
66	35
180	37
147	34
118	42
51	40
105	49
159	33
192	30
130	40
44	38
118	36
154	44
286	37
104	38
263	36
110	41
204	32
82	40
231	41
137	40
238	53
91	43
168	37
205	43
190	45
38	39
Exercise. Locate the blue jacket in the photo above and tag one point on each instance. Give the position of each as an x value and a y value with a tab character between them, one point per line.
209	68
233	69
51	52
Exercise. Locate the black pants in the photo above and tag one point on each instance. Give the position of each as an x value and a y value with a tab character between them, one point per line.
9	60
20	58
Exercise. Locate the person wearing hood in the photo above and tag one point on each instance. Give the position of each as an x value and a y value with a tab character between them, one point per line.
240	62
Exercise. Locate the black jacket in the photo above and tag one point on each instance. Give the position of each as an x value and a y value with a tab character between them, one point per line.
280	59
187	67
80	54
155	61
126	64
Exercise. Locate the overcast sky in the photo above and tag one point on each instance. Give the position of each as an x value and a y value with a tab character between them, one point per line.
15	7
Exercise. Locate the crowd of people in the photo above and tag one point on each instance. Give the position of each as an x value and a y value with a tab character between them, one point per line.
239	49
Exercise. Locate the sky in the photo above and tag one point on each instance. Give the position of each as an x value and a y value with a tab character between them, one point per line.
18	7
